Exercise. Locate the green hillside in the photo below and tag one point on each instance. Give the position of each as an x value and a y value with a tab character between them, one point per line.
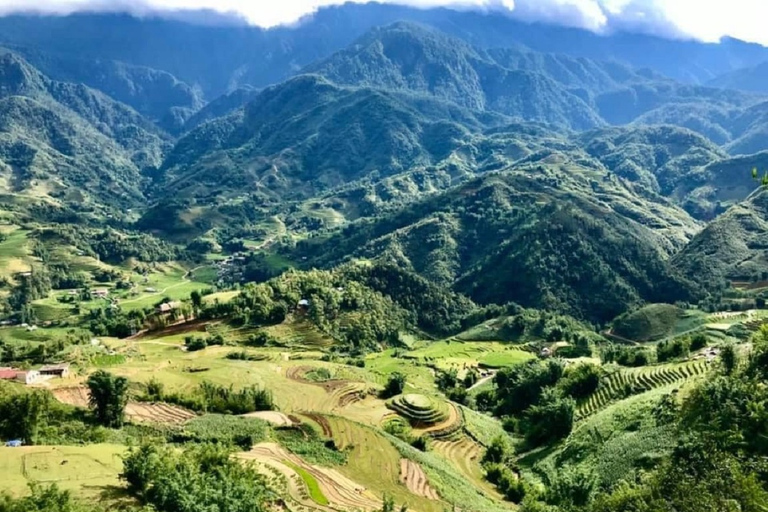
732	246
532	235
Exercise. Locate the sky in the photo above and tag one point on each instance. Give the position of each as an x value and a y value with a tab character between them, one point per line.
706	20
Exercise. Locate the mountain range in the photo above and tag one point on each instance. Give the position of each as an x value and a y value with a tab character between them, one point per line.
505	161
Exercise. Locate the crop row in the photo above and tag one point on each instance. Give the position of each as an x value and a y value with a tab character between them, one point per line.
625	383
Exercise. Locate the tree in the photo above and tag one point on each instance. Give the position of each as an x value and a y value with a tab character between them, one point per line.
42	499
395	385
140	467
108	397
728	358
22	415
197	301
499	451
581	380
551	419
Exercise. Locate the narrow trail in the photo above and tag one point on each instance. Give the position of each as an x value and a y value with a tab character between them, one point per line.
481	382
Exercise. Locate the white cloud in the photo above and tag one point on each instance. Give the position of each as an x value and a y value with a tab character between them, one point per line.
707	20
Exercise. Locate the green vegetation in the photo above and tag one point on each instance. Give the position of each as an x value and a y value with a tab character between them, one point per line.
648	323
414	270
228	430
205	476
314	489
108	397
310	446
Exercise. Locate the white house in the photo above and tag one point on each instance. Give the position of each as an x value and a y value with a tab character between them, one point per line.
28	377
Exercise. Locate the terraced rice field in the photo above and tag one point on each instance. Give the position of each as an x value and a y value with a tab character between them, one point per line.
299	333
448	428
422	411
136	412
374	462
166	414
274	417
413	477
631	382
306	480
465	455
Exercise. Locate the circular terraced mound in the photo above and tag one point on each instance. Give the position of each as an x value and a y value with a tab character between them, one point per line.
420	410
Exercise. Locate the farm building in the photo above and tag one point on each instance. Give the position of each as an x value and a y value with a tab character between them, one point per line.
56	370
100	293
167	307
7	373
29	377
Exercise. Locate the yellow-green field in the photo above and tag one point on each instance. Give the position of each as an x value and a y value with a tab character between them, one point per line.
85	470
14	253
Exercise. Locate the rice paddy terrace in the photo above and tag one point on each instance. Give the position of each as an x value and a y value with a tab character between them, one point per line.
341	402
627	382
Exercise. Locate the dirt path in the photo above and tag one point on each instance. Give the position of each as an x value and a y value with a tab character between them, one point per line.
482	381
413	477
273	417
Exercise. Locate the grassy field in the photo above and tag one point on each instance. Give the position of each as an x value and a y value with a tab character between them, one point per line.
462	354
85	470
165	281
14	255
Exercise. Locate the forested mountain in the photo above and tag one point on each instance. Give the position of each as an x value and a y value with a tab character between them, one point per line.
71	143
444	259
308	134
155	94
751	78
412	58
732	247
222	56
539	234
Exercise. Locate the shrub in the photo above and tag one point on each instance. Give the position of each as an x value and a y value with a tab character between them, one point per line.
421	443
549	420
581	381
394	386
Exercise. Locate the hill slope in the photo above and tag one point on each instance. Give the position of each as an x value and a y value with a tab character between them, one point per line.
733	246
541	235
308	135
409	57
71	143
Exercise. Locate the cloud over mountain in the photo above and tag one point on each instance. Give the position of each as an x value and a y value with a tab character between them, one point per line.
708	21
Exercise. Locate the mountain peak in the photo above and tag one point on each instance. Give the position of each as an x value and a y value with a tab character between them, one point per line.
18	77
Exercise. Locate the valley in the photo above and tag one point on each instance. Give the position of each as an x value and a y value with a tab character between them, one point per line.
425	259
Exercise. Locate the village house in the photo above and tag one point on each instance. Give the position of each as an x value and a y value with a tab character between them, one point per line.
100	293
7	373
28	377
56	370
167	307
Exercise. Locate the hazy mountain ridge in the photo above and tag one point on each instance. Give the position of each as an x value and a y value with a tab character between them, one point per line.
284	50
